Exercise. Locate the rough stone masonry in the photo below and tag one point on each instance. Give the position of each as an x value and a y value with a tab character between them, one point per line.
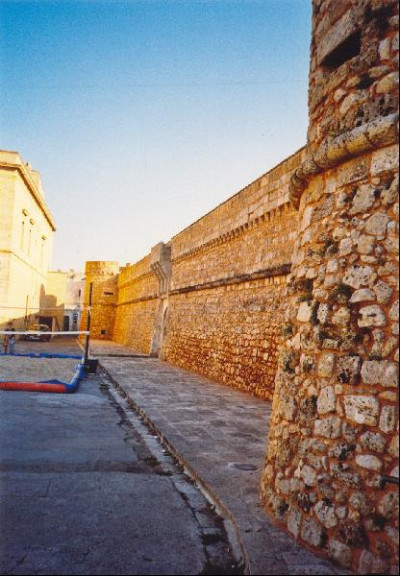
289	290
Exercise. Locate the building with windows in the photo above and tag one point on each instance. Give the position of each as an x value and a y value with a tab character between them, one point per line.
29	291
26	240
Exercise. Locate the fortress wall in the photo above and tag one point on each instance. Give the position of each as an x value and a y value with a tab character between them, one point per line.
137	304
104	279
332	464
228	272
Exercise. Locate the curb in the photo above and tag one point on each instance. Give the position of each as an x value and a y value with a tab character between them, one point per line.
230	523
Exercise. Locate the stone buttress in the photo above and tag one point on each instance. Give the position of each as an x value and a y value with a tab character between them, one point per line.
332	463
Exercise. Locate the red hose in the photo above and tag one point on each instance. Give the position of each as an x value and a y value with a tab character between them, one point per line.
33	387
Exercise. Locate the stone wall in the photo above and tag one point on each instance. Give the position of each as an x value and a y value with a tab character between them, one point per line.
210	300
103	277
332	463
137	303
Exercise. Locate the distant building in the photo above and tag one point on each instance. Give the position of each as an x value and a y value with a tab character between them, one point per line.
26	240
64	299
29	291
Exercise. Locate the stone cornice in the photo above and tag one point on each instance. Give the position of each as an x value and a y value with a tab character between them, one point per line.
334	151
12	161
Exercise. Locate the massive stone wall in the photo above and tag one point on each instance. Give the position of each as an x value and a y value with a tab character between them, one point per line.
228	272
332	463
137	304
211	300
102	280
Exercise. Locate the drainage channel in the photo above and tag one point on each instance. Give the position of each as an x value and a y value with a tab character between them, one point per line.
231	528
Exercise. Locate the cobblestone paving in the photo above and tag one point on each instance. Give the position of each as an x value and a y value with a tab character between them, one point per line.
20	369
220	435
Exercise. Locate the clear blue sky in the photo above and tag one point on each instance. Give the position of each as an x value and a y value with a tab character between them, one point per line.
144	115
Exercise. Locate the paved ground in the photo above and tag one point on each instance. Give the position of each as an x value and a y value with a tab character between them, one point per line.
86	488
219	434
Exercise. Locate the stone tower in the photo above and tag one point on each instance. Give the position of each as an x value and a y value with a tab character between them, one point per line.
104	278
332	463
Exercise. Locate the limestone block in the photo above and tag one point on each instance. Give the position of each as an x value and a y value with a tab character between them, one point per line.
383	291
287	408
329	427
384	160
373	442
340	552
384	373
363	200
389	505
345	247
323	313
348	369
388	419
306	220
365	244
371	564
377	225
304	312
371	316
362	409
359	501
294	522
326	400
309	475
368	461
326	515
394	311
384	49
393	448
312	533
357	276
388	84
363	295
390	195
341	317
326	365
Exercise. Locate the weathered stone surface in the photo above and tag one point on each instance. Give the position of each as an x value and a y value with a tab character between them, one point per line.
373	442
387	421
294	522
326	515
312	533
383	291
359	501
326	400
368	461
394	311
371	564
365	244
329	427
384	373
357	276
304	313
363	295
340	552
363	200
372	316
388	83
389	505
377	225
362	409
348	368
326	365
309	475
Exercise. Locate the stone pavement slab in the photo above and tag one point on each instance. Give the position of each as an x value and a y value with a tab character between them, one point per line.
99	348
219	434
